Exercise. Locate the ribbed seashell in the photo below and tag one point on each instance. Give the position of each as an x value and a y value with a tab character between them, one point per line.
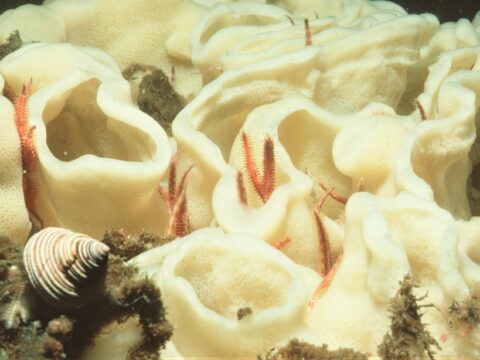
67	269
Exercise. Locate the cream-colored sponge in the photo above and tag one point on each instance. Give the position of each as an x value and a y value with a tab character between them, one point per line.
386	239
14	222
100	158
34	23
227	295
132	31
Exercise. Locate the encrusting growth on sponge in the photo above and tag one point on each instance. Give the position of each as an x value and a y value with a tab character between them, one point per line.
465	315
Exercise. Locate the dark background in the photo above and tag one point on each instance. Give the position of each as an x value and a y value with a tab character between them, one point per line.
10	4
446	10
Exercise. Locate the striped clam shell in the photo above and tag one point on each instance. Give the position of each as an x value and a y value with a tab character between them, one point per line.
66	269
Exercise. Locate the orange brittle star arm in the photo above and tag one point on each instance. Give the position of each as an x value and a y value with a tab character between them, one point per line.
263	186
324	250
27	147
324	284
176	200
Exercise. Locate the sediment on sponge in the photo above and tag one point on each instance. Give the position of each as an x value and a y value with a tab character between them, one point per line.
408	338
465	315
58	334
298	350
244	312
156	96
14	42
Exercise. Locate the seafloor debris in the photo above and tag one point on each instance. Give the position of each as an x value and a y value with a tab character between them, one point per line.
13	279
57	334
156	96
298	350
408	338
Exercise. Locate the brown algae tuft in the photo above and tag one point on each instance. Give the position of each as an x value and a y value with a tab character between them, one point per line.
128	246
299	350
408	338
